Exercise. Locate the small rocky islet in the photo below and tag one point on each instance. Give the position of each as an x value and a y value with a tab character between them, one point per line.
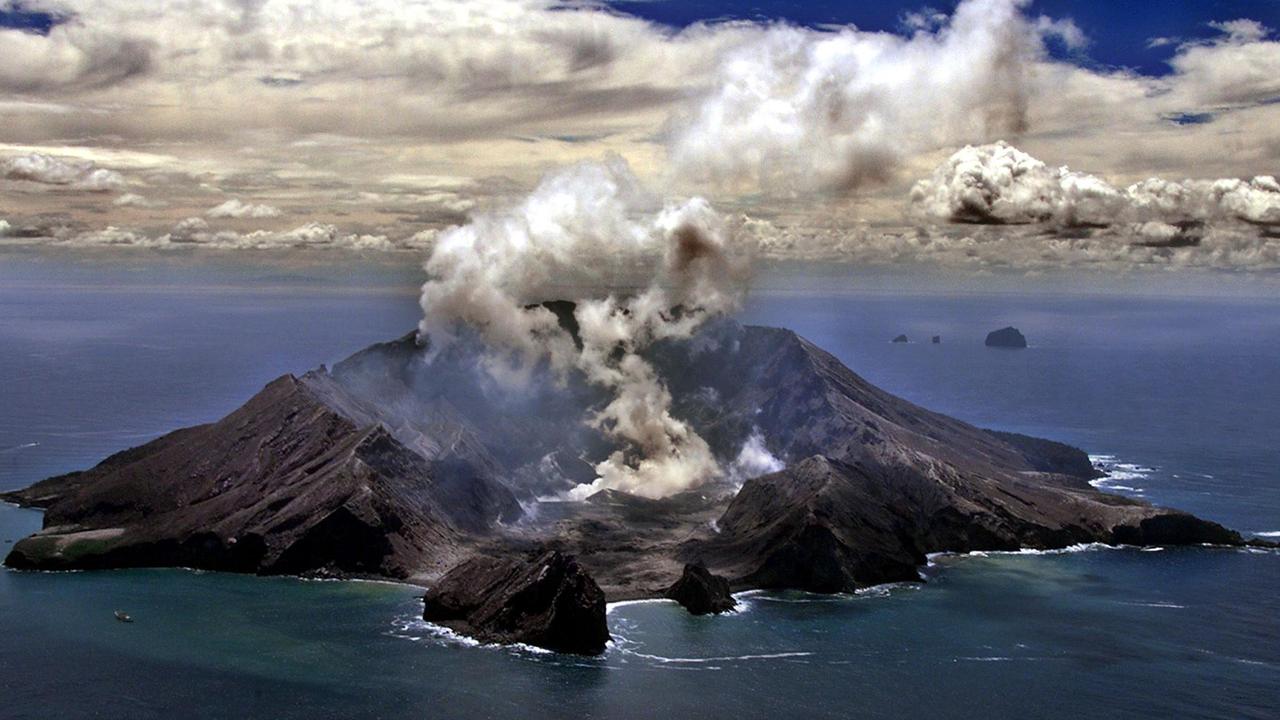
701	592
392	467
1006	337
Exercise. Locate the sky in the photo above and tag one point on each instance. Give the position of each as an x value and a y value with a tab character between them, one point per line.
978	136
1120	32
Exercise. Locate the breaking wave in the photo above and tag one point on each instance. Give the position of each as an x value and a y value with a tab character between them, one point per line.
1077	548
415	629
1120	477
609	608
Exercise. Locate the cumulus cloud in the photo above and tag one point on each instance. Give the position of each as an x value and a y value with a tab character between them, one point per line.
49	170
195	232
235	208
999	184
798	109
135	200
389	120
114	237
310	235
1035	248
488	276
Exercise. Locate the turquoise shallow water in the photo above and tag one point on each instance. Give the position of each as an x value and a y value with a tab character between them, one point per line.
1185	393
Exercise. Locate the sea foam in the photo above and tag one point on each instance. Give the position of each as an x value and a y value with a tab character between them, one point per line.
1120	476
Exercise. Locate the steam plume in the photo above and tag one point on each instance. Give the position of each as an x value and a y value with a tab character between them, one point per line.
581	220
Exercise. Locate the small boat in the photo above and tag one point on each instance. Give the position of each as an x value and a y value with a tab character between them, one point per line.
123	616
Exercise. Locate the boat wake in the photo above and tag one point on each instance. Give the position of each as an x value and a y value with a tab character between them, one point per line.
717	659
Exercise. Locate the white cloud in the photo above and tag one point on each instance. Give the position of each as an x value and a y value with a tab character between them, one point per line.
113	236
389	120
1255	201
135	200
235	208
998	183
309	235
1241	67
49	170
1033	248
1242	30
798	110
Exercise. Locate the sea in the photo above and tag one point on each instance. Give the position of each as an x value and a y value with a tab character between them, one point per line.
1173	386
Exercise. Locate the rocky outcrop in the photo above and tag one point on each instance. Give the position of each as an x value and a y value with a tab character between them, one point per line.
1008	337
701	592
283	485
901	339
1050	456
546	600
825	525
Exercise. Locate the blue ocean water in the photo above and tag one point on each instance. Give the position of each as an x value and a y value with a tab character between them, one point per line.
1182	394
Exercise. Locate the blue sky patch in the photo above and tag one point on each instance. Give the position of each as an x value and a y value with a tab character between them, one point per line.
1141	36
18	17
1189	118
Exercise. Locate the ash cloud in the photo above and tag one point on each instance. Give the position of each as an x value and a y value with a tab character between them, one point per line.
590	221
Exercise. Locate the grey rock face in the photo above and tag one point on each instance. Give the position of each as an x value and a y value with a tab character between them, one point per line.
546	600
701	592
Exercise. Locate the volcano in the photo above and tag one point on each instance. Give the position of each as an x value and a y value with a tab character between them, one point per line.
400	463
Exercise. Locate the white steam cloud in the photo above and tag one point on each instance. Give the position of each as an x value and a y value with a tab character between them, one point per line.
585	219
803	110
753	460
999	184
49	170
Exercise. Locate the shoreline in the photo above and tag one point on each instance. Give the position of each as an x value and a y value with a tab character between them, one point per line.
1255	542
